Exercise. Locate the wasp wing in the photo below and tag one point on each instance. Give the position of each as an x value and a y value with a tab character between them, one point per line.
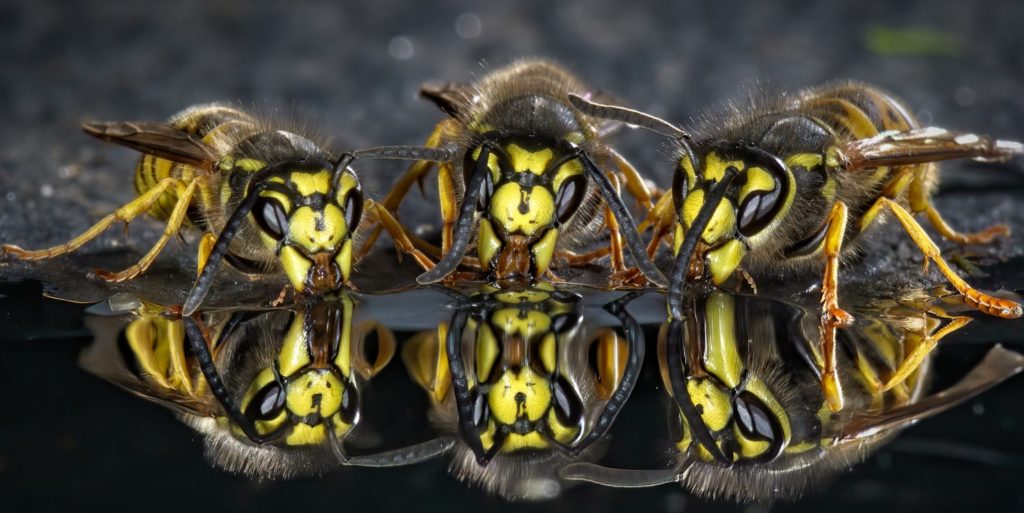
155	138
105	358
452	97
898	148
998	365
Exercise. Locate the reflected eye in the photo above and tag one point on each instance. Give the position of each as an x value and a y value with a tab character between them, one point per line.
568	405
353	209
271	217
570	194
758	210
755	419
267	403
350	404
562	323
481	410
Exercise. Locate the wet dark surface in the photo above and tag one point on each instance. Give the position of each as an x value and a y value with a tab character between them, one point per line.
71	440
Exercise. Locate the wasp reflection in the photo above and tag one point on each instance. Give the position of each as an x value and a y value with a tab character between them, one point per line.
749	415
530	379
274	393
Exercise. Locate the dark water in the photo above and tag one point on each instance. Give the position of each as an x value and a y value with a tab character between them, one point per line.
73	441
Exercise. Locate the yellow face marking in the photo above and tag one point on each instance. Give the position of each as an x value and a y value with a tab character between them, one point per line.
535	162
548	351
721	351
341	428
317	231
722	223
507	405
511	322
294	353
677	240
309	183
487	243
344	260
343	360
304	434
714	404
519	210
562	433
295	266
317	391
724	260
758	180
749	448
685	439
544	250
492	162
347	182
714	166
487	351
534	295
567	170
687	166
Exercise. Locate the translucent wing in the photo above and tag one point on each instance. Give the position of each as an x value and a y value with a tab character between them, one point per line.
155	138
896	148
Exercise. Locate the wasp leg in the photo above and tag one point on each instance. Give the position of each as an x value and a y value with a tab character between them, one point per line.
612	357
947	232
577	259
635	184
416	173
206	243
125	213
832	317
986	303
397	232
174	222
913	360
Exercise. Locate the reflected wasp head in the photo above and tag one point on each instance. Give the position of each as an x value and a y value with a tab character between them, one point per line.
527	382
275	393
750	421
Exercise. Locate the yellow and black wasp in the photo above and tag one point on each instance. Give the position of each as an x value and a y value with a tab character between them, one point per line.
785	182
524	182
528	384
266	198
288	391
750	419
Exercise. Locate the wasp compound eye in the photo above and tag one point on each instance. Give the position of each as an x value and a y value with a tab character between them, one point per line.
353	209
267	403
568	406
271	217
570	194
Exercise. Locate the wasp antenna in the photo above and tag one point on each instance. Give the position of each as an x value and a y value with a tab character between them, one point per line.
614	202
198	343
450	260
460	384
618	477
635	336
676	288
627	116
441	155
220	248
681	396
410	455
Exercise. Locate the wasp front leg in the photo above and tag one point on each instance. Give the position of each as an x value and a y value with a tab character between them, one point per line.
402	241
832	317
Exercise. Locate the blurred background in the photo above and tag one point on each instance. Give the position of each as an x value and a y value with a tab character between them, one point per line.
68	440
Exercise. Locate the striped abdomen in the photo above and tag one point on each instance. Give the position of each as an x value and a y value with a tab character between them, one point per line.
220	127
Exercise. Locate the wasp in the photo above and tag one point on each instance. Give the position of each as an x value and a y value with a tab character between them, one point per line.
274	393
788	181
751	421
265	198
526	382
524	180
